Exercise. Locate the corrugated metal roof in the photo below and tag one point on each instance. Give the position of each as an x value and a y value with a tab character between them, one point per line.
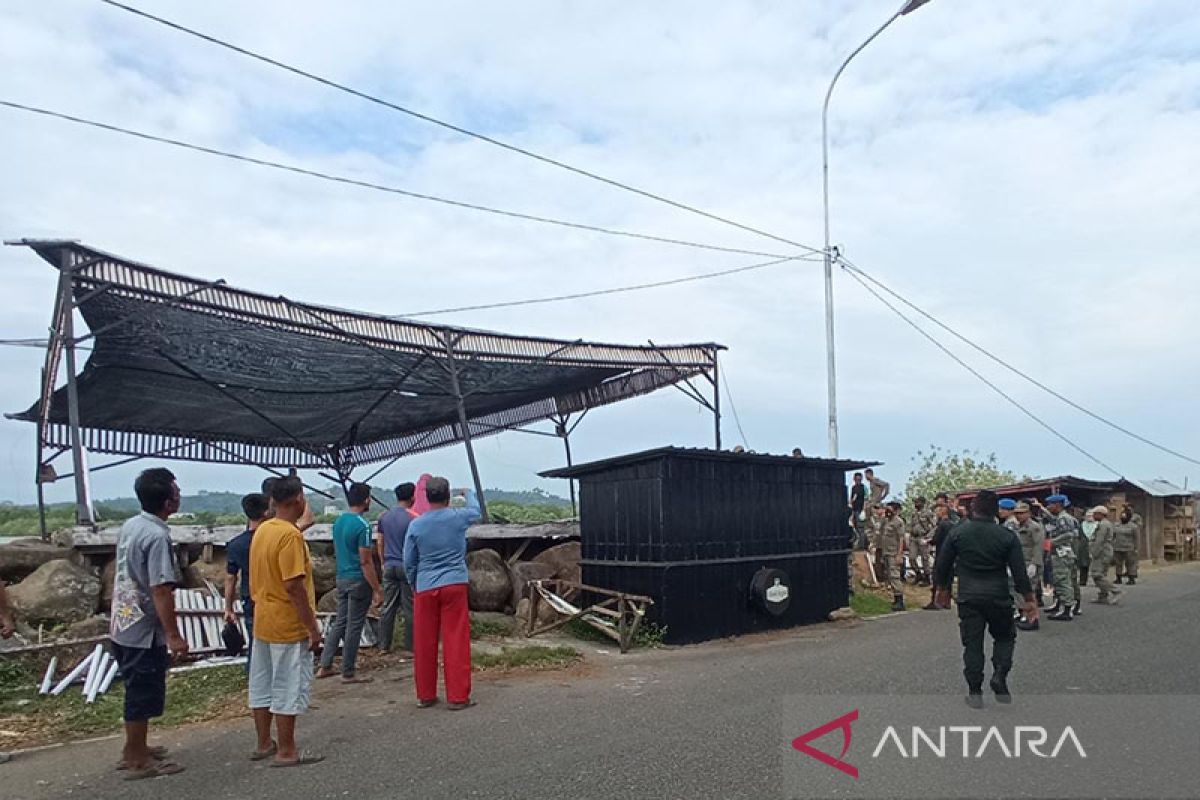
1159	488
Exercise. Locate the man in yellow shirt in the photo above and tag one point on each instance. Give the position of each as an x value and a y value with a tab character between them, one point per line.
285	627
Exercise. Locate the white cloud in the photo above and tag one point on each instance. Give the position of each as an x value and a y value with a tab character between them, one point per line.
1020	168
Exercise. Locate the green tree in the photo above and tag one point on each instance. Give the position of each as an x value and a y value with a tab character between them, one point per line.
939	470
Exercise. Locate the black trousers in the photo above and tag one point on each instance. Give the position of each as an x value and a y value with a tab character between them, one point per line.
996	617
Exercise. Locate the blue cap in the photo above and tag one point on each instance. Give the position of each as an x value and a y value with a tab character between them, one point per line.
1058	498
1008	504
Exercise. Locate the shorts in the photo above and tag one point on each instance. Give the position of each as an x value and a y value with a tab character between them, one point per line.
144	672
281	677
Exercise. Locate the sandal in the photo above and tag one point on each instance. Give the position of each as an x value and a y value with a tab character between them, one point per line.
304	758
356	679
262	755
324	673
155	770
157	753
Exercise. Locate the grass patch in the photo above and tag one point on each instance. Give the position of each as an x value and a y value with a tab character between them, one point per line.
489	628
530	656
866	604
648	635
191	696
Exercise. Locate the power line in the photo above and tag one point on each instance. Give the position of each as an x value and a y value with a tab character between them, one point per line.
977	374
1016	371
452	127
733	408
599	292
376	186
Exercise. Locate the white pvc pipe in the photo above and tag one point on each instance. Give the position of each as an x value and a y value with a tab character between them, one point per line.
97	661
108	678
49	676
100	671
73	674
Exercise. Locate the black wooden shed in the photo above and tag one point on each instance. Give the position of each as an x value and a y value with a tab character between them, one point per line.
726	543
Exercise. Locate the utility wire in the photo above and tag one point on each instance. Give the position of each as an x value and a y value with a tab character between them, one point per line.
452	127
376	186
599	292
1016	371
854	274
733	408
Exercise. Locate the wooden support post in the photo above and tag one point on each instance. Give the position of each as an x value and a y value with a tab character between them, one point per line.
465	428
83	500
716	382
562	429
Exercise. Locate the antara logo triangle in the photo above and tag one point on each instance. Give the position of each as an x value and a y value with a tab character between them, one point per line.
843	723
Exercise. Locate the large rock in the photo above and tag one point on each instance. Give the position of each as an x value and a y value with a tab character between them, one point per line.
564	558
192	578
21	557
546	615
490	584
213	571
87	629
525	571
108	580
324	573
57	592
328	602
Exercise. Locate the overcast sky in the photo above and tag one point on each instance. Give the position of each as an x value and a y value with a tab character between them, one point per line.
1025	170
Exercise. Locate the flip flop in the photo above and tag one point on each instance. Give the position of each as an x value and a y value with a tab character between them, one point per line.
261	755
158	753
322	674
305	757
155	770
357	680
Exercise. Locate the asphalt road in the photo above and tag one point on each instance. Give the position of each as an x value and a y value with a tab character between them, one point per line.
695	722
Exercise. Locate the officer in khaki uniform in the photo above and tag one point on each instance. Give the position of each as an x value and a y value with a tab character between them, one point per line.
1031	534
1125	547
891	546
1102	554
919	530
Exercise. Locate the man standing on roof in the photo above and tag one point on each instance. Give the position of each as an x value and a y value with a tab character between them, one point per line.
879	488
891	545
1102	555
1063	532
1125	555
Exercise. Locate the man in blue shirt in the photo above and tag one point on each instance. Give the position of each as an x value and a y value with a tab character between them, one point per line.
397	592
435	560
357	585
237	567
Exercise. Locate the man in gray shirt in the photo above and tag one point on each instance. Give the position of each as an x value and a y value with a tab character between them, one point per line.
143	626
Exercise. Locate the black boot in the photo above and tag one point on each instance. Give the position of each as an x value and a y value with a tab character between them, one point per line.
897	602
1063	614
1076	611
1000	687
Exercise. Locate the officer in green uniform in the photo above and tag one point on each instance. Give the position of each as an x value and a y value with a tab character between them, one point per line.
1063	532
1102	556
985	554
891	546
919	530
1125	546
1083	552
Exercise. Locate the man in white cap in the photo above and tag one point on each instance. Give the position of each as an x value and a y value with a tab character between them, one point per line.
1101	548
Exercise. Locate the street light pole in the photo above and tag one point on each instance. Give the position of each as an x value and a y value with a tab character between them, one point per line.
830	360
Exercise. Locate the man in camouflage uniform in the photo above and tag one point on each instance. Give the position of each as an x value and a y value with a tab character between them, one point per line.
1031	535
1125	547
1063	532
919	530
1102	553
879	488
872	528
891	546
1083	552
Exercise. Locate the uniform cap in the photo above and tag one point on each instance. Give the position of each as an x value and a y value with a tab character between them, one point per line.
1008	504
894	504
1022	508
1100	510
1058	498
